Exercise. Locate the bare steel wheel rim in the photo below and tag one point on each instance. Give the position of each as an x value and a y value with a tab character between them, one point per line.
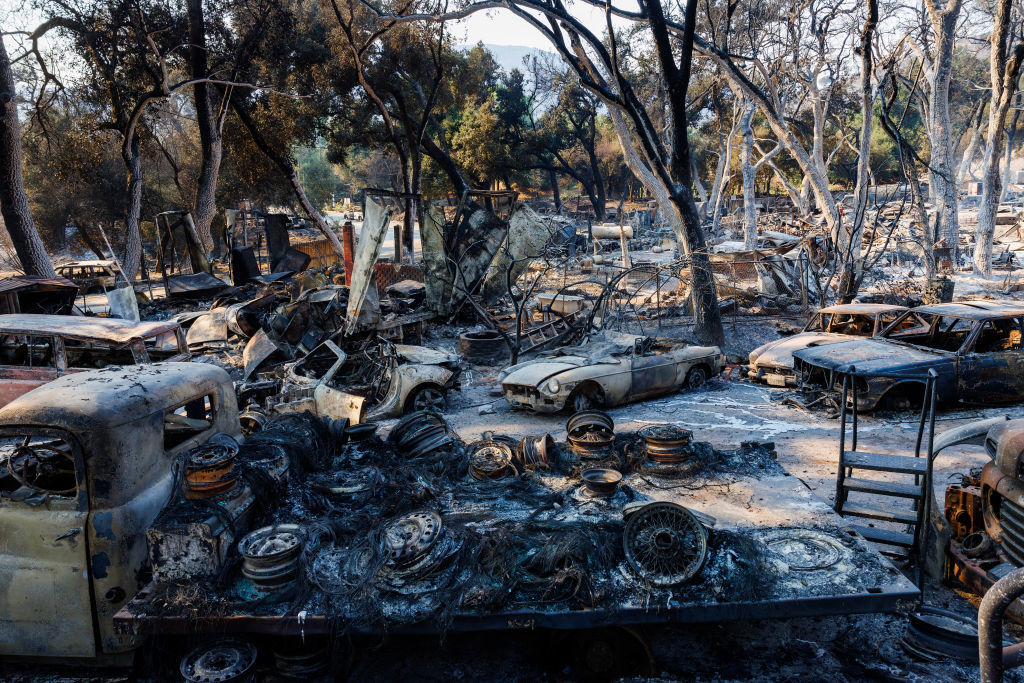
428	398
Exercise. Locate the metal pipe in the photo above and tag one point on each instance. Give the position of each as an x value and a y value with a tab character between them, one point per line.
990	626
348	239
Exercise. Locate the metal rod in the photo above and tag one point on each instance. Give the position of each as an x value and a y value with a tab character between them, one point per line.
990	624
853	383
840	477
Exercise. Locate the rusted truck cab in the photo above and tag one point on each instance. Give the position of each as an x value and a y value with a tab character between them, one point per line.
87	463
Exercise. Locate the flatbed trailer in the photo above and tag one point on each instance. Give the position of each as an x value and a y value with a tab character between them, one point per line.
814	564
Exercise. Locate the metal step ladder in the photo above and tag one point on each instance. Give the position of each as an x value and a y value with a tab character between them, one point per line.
547	332
902	496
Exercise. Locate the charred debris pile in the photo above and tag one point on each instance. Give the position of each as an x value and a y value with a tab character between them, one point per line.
316	515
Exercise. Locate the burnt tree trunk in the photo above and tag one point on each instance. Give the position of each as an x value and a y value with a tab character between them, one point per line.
131	253
211	141
555	194
13	200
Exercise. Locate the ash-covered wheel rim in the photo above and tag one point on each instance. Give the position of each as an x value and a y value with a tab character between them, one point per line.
665	543
410	536
696	378
428	398
226	660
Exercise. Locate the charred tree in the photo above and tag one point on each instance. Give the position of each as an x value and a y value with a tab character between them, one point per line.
208	121
13	200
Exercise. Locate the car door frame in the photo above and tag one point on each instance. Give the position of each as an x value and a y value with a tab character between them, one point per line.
659	363
987	369
63	552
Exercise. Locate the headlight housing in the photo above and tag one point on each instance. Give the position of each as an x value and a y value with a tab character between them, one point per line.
551	386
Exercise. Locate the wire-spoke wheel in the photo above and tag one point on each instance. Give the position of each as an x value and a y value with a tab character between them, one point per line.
665	543
428	397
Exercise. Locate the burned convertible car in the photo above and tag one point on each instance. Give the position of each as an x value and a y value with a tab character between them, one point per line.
610	373
772	363
974	346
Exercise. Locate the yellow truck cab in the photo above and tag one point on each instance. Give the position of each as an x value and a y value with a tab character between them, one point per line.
86	465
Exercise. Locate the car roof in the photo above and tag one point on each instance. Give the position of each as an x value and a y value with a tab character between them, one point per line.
94	262
862	308
975	310
112	330
101	399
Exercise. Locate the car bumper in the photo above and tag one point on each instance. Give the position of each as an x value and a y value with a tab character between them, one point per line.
775	377
530	398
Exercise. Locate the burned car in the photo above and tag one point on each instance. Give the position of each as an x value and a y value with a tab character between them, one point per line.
772	363
90	276
974	346
610	373
389	379
87	462
38	348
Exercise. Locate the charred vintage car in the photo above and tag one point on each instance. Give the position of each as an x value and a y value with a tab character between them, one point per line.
772	363
38	348
87	462
377	381
609	373
985	514
973	346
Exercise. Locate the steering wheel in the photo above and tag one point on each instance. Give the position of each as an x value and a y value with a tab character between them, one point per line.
31	463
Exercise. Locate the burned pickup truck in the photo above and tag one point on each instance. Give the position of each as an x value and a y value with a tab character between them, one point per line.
87	463
973	346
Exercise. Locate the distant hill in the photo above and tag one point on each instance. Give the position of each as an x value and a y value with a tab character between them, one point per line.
510	56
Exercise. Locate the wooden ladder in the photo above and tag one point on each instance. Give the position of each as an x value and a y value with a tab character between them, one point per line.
886	499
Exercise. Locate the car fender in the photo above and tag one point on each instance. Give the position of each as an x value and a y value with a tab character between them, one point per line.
405	379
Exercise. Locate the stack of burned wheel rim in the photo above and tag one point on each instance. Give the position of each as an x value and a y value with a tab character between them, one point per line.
591	434
223	661
667	444
271	558
210	469
419	553
420	433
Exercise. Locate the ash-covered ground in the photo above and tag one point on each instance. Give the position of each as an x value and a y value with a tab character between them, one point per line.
725	413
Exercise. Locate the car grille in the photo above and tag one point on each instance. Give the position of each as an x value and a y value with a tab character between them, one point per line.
520	390
1011	523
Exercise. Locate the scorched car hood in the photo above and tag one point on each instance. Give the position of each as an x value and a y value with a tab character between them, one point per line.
870	356
535	372
779	353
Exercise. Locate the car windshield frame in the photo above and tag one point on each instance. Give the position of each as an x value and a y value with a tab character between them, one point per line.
826	329
936	321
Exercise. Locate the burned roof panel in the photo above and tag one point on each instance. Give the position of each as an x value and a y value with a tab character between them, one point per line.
112	330
101	399
863	308
975	310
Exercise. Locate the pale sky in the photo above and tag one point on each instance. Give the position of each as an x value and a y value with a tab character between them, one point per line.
501	27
